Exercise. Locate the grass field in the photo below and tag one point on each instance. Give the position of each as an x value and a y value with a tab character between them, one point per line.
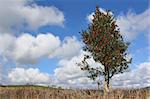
40	92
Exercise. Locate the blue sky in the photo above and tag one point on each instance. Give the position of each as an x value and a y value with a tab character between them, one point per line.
76	11
35	36
75	16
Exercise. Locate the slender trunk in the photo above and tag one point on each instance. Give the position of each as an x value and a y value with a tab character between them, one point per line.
106	82
98	85
108	79
106	86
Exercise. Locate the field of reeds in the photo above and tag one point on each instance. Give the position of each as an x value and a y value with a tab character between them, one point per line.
38	92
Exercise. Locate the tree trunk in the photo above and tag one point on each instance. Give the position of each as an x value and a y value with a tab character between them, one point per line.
106	81
98	85
106	86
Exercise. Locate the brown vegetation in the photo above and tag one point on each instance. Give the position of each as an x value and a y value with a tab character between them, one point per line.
32	92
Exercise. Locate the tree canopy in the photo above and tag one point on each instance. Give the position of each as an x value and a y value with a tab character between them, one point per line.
106	45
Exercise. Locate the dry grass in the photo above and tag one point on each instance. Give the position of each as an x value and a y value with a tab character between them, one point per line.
34	92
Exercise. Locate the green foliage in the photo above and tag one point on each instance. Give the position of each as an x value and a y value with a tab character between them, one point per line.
106	45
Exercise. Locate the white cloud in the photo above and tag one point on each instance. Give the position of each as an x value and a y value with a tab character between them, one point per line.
6	46
68	72
90	17
138	77
132	24
28	49
69	48
30	75
37	16
15	14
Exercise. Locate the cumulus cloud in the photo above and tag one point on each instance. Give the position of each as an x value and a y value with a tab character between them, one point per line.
68	72
50	16
138	77
28	49
132	24
6	46
15	14
30	75
69	48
